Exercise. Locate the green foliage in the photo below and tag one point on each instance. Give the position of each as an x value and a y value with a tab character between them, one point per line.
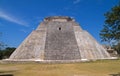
111	29
6	52
1	55
117	48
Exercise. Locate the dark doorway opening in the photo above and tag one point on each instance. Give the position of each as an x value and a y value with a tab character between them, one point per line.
59	28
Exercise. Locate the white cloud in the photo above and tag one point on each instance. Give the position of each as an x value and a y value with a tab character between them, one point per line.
23	30
10	18
76	1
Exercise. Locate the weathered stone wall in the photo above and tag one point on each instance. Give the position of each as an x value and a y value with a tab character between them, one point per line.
33	46
89	48
60	42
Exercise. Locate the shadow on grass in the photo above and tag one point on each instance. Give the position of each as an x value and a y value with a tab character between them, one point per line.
6	73
118	74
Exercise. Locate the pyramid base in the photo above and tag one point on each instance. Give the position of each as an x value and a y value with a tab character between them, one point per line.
51	61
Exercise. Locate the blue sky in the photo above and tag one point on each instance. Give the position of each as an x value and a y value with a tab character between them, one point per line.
19	17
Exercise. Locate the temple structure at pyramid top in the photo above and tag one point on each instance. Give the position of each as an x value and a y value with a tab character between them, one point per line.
59	18
59	38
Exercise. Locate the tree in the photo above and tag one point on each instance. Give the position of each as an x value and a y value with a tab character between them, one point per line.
7	52
1	55
1	45
117	48
111	28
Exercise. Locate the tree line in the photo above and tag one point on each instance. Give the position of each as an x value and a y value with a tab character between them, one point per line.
5	53
111	28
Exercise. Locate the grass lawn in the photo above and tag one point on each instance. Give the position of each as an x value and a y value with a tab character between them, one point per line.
96	68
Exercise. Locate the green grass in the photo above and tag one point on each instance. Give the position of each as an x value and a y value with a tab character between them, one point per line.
96	68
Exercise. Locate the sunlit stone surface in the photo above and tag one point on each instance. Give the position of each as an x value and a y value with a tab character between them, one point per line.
59	38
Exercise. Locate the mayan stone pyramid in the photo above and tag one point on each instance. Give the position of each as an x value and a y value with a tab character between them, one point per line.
59	38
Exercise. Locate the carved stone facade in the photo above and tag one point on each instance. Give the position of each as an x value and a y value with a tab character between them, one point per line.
112	52
59	38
